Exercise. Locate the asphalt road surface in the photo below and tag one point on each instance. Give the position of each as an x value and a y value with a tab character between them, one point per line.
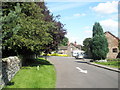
72	73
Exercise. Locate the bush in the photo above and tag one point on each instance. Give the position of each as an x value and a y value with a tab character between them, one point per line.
110	63
64	55
116	59
56	54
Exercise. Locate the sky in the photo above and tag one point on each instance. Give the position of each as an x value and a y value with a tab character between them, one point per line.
79	17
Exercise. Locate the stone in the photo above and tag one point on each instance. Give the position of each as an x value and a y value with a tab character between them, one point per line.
10	66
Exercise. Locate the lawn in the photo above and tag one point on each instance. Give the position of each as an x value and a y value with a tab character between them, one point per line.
40	74
115	64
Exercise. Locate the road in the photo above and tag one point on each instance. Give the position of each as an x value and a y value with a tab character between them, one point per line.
72	73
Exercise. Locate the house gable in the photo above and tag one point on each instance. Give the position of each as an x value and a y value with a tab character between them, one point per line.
112	45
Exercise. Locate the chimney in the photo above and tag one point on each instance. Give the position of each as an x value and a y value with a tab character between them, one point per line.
75	43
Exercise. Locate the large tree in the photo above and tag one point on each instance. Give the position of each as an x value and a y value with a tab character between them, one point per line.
99	44
57	31
26	31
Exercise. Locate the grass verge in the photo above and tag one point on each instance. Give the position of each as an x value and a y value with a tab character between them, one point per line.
114	64
33	76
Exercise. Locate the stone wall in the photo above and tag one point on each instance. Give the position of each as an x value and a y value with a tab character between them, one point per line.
10	66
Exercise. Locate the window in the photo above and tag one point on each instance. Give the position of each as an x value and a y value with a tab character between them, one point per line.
114	50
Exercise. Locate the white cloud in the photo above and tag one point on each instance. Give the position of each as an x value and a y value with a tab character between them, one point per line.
74	16
106	8
78	14
110	25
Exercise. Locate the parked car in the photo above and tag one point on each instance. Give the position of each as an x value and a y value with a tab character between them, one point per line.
80	55
75	52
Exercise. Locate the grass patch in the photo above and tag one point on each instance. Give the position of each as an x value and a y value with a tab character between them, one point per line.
115	64
31	77
116	59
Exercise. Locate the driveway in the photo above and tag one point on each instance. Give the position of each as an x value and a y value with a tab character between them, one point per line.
72	73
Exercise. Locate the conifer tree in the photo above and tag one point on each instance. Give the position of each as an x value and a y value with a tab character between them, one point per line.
99	44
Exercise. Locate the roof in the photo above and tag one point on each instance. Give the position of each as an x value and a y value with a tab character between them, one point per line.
77	46
78	51
63	47
112	35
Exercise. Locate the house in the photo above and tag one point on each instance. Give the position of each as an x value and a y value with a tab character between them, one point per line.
112	45
62	50
69	49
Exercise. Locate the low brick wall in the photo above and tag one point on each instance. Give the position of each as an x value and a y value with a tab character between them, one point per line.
10	66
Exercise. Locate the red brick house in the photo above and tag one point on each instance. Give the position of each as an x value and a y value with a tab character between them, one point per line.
112	45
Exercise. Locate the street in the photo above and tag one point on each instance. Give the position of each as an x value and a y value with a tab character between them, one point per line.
72	73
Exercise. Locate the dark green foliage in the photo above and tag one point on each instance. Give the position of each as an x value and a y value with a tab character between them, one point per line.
28	29
22	32
119	44
115	64
64	42
99	44
99	47
56	31
86	45
115	59
57	35
97	29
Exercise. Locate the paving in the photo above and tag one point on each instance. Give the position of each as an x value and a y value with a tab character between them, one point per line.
72	73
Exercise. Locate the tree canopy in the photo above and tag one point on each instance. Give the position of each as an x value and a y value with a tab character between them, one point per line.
97	29
99	44
86	45
28	27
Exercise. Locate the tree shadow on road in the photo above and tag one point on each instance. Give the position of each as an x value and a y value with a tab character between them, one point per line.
80	61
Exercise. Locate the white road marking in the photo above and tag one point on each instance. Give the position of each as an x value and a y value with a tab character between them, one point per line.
83	71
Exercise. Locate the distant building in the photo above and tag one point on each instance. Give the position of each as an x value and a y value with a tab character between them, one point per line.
62	49
112	45
69	49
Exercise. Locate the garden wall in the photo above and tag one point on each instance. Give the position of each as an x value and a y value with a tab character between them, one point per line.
10	66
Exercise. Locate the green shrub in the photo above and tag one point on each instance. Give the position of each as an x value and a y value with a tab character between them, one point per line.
56	54
110	63
116	59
